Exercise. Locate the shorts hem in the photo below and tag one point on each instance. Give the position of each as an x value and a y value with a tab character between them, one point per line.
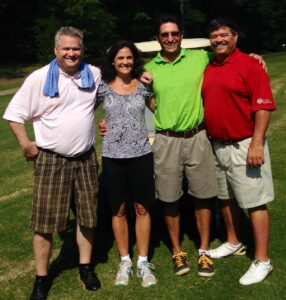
170	201
202	197
264	202
46	230
90	226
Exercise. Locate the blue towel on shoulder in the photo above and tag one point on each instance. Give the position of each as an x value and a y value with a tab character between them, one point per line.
51	84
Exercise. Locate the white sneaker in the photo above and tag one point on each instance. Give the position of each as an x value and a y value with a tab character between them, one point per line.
257	272
123	274
144	271
226	249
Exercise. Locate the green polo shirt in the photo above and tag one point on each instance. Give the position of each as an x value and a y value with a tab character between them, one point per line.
177	89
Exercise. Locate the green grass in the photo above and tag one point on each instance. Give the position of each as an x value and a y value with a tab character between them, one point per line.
13	77
16	259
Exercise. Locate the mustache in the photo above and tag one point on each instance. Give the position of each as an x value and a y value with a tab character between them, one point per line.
220	43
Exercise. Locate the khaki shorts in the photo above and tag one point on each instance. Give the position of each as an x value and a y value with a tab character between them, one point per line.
251	187
57	181
174	157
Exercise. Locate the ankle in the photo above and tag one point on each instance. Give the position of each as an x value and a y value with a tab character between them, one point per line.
41	278
234	245
141	259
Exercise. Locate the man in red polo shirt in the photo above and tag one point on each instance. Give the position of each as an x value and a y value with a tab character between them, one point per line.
238	102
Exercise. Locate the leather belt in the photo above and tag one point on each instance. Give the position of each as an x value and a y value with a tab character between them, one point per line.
183	134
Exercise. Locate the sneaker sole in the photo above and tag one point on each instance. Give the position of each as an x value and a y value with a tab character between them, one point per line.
148	285
239	252
183	272
203	274
121	284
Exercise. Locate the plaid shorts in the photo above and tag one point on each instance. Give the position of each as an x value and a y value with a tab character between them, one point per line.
58	180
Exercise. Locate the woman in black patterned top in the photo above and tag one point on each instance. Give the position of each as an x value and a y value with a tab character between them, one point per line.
127	160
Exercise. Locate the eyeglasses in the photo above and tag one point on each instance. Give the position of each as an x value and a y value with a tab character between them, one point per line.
164	35
78	86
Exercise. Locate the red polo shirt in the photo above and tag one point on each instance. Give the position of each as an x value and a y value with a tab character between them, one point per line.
233	91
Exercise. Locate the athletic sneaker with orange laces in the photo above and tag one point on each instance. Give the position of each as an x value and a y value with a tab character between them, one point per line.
180	261
205	265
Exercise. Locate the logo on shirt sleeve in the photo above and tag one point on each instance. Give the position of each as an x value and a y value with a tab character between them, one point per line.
263	101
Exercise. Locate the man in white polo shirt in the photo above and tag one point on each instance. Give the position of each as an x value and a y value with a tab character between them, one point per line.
59	99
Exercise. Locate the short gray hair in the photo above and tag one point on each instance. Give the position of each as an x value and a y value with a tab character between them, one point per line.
69	31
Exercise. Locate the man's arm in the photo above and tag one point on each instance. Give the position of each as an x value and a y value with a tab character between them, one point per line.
29	149
151	104
255	155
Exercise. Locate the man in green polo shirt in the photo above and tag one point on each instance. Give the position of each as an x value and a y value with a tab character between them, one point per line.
181	145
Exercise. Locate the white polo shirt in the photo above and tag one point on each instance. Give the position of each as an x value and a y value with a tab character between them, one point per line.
63	124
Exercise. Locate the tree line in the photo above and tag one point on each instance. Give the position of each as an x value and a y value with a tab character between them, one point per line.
28	26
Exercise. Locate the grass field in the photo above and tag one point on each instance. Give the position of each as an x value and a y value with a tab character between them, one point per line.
16	259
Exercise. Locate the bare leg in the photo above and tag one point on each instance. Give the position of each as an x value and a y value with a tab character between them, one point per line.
143	227
84	238
172	219
230	214
259	218
203	220
42	245
120	230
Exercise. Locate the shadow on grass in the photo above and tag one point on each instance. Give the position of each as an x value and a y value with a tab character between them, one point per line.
68	257
188	226
103	239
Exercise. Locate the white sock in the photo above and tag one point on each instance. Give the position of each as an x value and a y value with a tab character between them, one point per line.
234	246
141	259
267	263
201	251
126	257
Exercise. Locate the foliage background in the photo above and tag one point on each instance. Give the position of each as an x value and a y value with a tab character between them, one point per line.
27	27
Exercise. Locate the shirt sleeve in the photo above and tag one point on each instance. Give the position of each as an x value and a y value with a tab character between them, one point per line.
258	86
22	107
102	91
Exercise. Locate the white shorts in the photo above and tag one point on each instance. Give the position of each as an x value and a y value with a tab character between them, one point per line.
250	186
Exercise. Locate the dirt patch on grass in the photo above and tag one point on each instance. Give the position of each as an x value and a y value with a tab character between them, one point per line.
20	270
16	194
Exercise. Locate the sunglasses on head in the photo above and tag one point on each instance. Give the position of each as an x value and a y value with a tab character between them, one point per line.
172	33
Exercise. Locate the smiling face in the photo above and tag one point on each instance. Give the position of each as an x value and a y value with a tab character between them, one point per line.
170	39
123	61
223	42
68	53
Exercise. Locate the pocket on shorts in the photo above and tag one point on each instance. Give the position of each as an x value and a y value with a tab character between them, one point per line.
47	164
239	157
93	163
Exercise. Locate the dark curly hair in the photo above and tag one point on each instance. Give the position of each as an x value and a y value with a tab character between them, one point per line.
108	71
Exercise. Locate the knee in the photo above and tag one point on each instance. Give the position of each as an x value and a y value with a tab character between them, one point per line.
171	209
42	238
121	212
140	209
203	203
261	208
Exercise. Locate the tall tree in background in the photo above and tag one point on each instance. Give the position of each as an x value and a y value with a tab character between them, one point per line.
27	27
90	16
